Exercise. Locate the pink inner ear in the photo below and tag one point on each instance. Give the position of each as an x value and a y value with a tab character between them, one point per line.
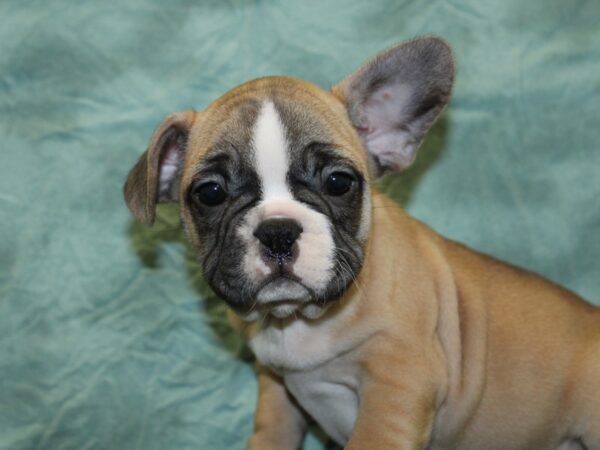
384	126
393	150
170	164
385	107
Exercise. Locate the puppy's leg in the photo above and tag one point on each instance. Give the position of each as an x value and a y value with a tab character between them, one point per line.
279	423
389	420
397	409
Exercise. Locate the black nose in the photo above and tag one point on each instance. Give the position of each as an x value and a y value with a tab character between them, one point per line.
278	236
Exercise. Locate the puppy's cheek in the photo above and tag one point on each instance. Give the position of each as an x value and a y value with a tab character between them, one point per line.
314	265
253	266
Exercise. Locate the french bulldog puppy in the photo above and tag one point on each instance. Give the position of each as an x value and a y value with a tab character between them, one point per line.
362	318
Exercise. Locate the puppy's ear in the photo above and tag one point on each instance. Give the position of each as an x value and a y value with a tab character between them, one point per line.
155	177
394	99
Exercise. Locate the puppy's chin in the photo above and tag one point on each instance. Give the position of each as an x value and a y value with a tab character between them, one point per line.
282	298
282	290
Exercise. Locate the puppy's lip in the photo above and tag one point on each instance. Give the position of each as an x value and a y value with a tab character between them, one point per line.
282	289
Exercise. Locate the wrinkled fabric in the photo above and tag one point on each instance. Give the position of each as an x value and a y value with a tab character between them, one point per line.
109	338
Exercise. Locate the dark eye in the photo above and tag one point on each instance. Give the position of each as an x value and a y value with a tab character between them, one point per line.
338	183
211	193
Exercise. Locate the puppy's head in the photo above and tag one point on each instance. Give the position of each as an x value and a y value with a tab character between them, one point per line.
273	178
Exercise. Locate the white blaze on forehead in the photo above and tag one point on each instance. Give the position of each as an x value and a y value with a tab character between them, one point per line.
271	153
314	265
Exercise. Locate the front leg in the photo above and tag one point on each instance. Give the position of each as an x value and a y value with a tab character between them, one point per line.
397	408
279	423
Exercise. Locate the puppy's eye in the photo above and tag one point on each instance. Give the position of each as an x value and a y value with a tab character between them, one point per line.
211	193
338	183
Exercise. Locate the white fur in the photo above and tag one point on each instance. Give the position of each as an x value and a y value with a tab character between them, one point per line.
282	288
298	344
271	153
254	266
318	369
329	394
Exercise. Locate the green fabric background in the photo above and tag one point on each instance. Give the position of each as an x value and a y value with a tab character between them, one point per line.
109	339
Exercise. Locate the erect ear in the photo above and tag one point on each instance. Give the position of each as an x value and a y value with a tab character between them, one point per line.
393	99
155	177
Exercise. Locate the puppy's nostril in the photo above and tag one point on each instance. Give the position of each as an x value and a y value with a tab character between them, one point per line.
278	236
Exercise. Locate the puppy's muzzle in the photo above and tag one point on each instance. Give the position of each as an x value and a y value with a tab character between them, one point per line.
278	237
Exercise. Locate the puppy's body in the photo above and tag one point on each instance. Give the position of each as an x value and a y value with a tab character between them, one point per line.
513	360
388	335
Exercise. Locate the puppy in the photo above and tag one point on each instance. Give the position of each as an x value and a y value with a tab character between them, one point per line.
386	334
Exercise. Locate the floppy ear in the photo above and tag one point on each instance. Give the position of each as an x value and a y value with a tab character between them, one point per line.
155	177
394	99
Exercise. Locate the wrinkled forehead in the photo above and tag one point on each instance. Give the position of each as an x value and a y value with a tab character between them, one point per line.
270	123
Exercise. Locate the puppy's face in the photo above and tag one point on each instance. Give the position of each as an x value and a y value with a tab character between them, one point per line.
273	178
276	198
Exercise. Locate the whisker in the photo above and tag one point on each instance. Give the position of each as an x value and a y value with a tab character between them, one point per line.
345	265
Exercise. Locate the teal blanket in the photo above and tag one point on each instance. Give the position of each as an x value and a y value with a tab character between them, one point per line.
109	338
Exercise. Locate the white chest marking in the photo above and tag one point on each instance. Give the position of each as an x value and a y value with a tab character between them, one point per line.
271	153
321	372
294	344
329	394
